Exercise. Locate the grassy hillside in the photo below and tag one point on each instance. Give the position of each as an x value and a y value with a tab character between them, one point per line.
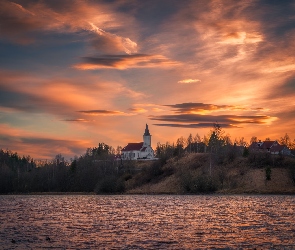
191	174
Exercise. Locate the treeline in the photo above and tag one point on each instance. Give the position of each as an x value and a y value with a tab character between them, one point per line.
216	140
100	170
218	155
216	143
96	170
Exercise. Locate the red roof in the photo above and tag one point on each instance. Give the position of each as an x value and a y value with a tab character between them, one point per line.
133	146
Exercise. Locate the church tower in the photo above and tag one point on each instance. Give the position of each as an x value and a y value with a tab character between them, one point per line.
146	137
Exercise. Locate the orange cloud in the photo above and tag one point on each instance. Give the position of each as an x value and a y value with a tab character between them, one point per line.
189	81
101	112
125	62
201	108
59	96
138	110
118	43
39	145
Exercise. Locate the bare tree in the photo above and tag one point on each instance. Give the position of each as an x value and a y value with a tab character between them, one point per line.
206	142
227	140
118	150
197	140
241	142
180	144
253	139
286	140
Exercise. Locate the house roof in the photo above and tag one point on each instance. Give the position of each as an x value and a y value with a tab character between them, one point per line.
268	144
254	145
277	148
133	146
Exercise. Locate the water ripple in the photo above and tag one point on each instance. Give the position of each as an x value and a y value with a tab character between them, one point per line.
147	222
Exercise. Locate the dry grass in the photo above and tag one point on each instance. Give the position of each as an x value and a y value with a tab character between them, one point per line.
254	181
169	185
239	178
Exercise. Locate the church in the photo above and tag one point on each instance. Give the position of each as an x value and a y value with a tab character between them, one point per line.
139	150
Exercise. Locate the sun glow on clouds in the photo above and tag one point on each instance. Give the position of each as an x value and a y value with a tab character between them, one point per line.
128	45
147	107
102	112
241	37
138	110
189	81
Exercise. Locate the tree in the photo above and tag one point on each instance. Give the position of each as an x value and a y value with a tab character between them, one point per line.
216	140
227	140
206	142
189	142
241	142
286	140
253	139
180	144
164	151
197	140
118	150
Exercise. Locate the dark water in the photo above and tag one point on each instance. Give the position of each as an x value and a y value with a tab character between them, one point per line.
147	222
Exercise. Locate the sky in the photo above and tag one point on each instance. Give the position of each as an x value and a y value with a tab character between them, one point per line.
75	73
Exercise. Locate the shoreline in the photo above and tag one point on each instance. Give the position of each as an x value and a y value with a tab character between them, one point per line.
220	192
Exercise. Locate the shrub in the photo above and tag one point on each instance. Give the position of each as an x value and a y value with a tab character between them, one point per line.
246	152
110	184
260	159
268	173
198	184
292	173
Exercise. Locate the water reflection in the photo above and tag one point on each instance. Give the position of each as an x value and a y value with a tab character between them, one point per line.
147	222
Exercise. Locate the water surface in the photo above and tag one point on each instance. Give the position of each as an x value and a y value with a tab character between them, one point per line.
147	222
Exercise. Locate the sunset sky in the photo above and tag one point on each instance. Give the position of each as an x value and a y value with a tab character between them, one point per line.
76	73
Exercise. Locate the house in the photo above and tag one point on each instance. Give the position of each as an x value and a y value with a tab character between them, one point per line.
139	150
272	147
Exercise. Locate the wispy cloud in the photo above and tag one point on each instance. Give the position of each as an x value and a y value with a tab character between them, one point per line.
108	42
23	23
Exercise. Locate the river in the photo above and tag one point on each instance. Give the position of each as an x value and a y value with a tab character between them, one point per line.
147	222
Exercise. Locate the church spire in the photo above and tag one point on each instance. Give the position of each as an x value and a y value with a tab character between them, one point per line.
146	132
146	137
